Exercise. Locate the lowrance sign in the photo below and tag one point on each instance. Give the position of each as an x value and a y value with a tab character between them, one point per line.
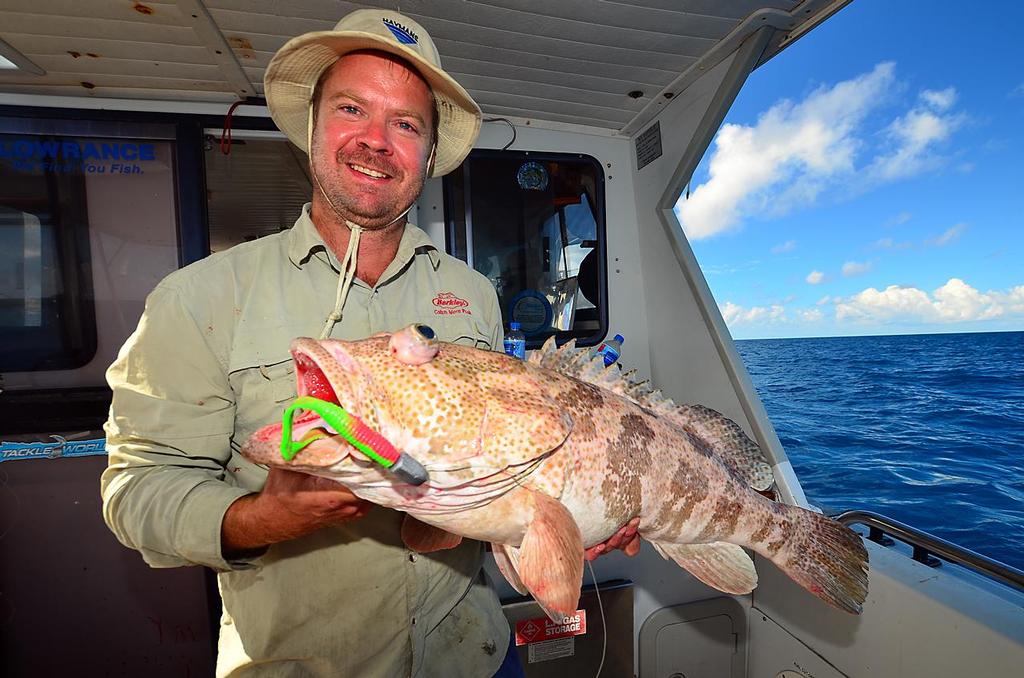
28	154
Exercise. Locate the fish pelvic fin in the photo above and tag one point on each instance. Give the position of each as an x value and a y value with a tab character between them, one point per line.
720	565
551	557
825	557
507	559
423	538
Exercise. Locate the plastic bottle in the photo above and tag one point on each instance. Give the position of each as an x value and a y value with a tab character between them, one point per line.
515	342
611	349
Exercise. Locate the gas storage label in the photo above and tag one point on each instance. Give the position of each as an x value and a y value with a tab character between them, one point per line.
61	447
541	629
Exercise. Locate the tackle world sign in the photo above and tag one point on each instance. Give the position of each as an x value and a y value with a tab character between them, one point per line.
10	451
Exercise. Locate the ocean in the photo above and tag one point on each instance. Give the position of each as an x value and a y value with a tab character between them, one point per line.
926	429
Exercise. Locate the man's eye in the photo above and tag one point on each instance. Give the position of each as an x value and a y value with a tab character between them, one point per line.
402	124
348	108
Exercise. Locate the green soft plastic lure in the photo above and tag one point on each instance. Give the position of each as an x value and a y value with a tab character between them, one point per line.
371	443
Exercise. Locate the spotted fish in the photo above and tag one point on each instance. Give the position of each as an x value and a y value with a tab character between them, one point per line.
547	457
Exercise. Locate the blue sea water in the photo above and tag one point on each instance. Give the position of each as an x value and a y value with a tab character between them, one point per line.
927	429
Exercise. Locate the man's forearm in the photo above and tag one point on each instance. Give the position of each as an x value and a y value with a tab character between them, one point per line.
291	505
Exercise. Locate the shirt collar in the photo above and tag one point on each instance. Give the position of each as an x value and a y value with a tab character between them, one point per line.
304	242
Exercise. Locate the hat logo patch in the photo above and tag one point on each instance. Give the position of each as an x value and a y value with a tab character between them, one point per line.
401	33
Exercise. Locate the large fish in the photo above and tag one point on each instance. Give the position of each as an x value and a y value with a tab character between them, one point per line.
547	457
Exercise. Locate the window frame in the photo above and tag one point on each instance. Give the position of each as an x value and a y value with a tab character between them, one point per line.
598	209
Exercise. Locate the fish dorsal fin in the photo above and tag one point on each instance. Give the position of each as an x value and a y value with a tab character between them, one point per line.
720	434
728	441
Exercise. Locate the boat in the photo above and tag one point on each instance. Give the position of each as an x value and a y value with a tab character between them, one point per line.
134	140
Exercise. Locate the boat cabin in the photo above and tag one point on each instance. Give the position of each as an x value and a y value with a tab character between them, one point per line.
134	140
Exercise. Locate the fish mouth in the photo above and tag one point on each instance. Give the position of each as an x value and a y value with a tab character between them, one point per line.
312	380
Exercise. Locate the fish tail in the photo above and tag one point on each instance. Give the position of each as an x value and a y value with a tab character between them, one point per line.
824	556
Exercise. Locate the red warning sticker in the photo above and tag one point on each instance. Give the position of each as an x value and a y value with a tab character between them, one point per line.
536	630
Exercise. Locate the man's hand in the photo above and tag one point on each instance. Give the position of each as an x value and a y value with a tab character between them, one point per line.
626	539
290	505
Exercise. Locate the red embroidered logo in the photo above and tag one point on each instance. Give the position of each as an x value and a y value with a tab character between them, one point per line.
446	303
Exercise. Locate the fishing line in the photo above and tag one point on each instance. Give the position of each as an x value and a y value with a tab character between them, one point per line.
604	627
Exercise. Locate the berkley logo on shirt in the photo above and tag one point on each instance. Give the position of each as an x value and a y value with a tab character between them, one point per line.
446	303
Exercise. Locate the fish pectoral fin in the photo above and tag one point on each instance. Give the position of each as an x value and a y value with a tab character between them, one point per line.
551	557
720	565
507	559
424	538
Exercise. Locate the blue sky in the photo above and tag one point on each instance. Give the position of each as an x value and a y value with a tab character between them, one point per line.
870	178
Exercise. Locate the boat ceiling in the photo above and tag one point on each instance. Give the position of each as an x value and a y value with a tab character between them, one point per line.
605	64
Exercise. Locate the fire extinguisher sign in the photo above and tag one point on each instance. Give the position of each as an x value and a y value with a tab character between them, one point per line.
540	629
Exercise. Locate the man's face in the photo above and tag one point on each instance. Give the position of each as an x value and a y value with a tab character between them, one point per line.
372	139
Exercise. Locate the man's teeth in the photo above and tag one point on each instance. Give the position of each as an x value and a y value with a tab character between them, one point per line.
369	172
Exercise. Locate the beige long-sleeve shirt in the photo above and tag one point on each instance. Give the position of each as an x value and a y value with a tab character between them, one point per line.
207	366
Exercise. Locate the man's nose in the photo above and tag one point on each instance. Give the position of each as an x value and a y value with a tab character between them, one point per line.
374	136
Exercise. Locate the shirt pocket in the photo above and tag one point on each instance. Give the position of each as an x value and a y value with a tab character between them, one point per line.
261	392
464	330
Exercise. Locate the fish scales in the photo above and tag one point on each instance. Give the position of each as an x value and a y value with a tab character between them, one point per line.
548	457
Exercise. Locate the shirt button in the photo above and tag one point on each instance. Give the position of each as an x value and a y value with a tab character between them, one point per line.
414	621
412	557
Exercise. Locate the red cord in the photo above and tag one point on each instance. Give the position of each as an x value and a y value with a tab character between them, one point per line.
225	135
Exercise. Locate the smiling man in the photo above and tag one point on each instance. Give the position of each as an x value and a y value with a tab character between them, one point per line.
314	581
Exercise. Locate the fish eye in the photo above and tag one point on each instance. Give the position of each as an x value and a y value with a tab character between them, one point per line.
426	331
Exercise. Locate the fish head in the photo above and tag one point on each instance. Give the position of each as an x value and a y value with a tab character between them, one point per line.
463	413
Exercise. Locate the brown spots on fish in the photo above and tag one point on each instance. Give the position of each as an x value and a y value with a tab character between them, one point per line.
628	461
762	532
687	489
785	534
586	395
723	521
580	402
700	445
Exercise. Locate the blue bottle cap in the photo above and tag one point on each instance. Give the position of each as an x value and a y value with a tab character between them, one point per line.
619	338
513	325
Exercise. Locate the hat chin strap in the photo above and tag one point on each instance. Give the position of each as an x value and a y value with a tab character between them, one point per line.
348	264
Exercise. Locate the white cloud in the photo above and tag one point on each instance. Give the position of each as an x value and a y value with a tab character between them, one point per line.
812	315
787	246
815	277
734	314
824	300
1017	91
956	301
786	159
939	99
852	268
913	137
950	235
901	218
890	244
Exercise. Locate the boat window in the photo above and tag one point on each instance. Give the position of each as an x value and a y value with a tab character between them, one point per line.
87	228
256	189
534	225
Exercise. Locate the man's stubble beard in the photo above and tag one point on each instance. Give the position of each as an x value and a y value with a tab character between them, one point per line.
341	205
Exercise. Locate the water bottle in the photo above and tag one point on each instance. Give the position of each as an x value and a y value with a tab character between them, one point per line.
515	342
611	349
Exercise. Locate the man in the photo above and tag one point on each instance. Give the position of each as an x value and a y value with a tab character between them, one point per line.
314	581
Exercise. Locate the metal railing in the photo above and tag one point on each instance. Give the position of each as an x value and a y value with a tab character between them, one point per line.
927	546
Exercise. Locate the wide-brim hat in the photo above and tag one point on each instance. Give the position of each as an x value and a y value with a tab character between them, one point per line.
294	71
